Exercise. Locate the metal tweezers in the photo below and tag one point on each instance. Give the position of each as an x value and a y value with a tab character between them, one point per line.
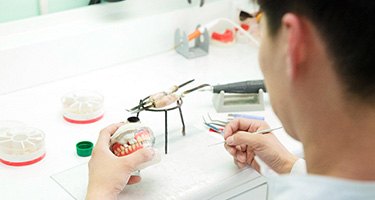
201	4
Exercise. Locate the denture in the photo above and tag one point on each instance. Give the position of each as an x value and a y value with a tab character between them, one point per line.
140	140
131	137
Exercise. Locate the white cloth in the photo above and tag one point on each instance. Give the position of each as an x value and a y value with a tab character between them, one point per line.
299	167
301	186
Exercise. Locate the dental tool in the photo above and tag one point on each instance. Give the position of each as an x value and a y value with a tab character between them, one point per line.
214	123
217	130
160	99
218	122
264	131
232	116
251	86
238	96
165	98
213	126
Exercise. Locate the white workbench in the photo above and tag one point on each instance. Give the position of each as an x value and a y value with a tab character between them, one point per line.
122	86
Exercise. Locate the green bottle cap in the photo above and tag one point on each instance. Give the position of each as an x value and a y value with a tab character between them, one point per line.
84	148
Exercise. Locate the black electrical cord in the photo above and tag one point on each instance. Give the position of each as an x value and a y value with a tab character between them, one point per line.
92	2
244	15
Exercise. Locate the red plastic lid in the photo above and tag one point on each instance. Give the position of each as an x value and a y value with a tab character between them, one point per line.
245	26
18	164
226	37
74	121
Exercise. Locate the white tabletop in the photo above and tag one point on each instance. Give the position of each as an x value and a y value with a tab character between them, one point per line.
122	86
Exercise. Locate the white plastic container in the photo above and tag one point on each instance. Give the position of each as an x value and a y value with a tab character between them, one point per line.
83	107
21	145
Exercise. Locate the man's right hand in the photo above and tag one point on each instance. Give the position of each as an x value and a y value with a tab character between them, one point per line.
244	146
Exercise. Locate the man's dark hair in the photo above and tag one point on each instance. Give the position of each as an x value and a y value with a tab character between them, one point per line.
348	29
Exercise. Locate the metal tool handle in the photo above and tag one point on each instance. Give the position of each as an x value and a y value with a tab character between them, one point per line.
241	87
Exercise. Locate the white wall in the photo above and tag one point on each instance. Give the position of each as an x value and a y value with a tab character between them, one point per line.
56	46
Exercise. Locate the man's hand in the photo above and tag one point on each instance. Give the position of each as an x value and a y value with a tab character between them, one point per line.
109	174
244	146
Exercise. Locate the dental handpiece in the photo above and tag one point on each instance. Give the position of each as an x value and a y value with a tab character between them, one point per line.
252	86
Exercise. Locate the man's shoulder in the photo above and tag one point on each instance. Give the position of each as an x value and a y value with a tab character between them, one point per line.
308	187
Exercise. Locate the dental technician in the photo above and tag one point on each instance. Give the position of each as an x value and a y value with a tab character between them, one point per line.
318	60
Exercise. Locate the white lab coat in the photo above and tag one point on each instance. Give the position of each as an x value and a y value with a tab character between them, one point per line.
301	186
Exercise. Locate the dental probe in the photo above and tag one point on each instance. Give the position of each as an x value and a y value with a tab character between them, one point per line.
264	131
252	86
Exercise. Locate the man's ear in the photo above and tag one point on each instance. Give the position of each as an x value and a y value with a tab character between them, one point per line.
296	43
